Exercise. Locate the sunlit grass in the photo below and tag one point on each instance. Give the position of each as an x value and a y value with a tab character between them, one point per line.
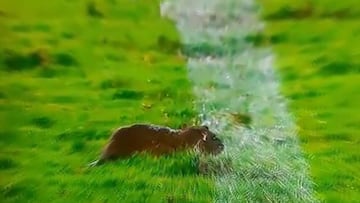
318	60
72	71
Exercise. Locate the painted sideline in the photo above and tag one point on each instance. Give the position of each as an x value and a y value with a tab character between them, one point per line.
231	76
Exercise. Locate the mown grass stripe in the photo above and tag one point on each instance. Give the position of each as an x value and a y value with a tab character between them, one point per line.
267	160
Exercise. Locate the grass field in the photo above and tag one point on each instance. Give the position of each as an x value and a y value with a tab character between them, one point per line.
71	72
318	58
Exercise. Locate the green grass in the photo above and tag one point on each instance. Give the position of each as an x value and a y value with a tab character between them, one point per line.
317	48
72	71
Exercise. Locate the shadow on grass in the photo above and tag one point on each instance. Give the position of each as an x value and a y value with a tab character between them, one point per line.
78	146
167	45
93	11
308	10
258	39
7	163
16	61
172	165
43	122
339	68
114	83
128	94
22	190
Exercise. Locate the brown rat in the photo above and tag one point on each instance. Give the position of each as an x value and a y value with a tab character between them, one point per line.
158	140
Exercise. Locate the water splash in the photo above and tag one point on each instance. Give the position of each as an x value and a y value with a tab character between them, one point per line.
230	75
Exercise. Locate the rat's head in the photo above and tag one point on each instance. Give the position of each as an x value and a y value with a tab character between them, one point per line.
206	141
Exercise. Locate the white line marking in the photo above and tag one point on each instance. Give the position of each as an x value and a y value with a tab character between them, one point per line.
230	75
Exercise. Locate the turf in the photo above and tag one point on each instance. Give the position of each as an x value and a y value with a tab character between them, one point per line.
317	49
73	71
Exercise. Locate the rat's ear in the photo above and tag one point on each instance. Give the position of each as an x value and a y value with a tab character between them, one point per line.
206	127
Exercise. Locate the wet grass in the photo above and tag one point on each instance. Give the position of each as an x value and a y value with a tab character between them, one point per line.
73	71
318	61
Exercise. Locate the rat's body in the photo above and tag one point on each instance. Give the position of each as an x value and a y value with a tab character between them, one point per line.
158	140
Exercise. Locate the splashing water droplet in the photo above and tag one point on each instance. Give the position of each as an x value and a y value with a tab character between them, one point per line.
267	163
